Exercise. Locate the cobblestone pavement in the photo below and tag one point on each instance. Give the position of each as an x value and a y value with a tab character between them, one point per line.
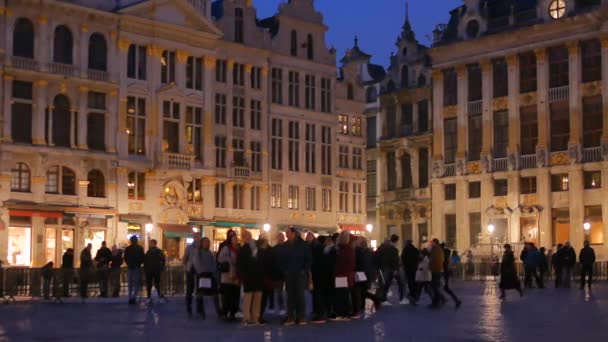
541	315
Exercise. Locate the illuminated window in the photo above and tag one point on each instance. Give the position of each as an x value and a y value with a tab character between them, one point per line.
343	124
137	184
592	179
559	182
557	9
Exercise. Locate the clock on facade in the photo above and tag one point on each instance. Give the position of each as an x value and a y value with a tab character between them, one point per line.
557	9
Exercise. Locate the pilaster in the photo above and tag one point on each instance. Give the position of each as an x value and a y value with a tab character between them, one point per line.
575	98
437	115
39	114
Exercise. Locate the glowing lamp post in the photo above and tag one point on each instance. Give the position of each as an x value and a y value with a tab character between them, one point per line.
587	228
149	227
491	229
266	227
369	227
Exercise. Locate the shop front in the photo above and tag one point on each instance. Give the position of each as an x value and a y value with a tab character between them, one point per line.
316	231
136	224
175	238
355	229
220	229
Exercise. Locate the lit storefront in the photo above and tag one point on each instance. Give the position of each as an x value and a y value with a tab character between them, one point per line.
221	228
174	240
19	251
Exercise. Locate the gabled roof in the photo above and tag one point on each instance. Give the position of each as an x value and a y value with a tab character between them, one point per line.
355	54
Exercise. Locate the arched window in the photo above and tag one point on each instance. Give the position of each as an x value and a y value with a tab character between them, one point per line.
20	178
294	43
98	52
239	31
422	80
97	184
310	47
62	121
405	76
60	180
371	94
350	92
23	38
63	45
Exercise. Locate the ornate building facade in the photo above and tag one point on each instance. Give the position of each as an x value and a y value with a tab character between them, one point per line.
520	119
182	114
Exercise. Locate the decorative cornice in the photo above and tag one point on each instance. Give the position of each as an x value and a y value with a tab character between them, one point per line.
182	56
123	44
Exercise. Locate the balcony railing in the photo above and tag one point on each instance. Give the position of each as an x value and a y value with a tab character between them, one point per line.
527	161
449	170
404	194
63	69
24	63
474	107
499	164
241	172
177	161
97	75
592	154
559	93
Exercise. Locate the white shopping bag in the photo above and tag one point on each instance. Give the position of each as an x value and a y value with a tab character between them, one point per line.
341	282
204	283
360	277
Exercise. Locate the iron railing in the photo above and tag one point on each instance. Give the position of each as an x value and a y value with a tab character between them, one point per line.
559	93
450	170
527	161
499	164
592	154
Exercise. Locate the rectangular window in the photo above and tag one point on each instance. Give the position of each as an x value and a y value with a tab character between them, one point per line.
171	131
423	168
239	25
294	89
501	78
311	148
527	72
310	89
256	156
220	109
311	201
238	74
194	73
357	158
591	51
474	228
277	144
220	195
501	134
343	157
343	124
136	125
326	155
293	198
450	231
560	125
238	152
450	192
407	119
391	171
294	146
371	178
220	152
276	195
221	67
528	125
343	202
19	248
238	192
256	78
475	137
474	189
21	112
390	126
195	191
326	95
167	67
592	121
357	195
560	225
474	82
238	111
423	116
592	179
276	85
593	216
194	130
256	115
355	127
559	182
255	198
450	87
501	187
96	131
450	139
137	60
370	128
558	67
527	185
326	200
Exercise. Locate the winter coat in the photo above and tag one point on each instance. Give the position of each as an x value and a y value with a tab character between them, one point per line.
508	273
116	261
227	254
409	258
134	256
569	256
587	256
364	263
86	260
437	259
317	266
273	262
423	273
324	277
531	258
296	258
250	268
192	258
558	259
154	261
387	257
345	263
67	260
103	257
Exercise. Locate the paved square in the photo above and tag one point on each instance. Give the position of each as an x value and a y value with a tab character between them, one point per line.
541	315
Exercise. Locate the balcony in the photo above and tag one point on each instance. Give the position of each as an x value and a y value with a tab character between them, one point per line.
97	75
559	93
63	69
527	161
449	170
177	161
499	164
24	63
404	194
240	172
592	154
474	107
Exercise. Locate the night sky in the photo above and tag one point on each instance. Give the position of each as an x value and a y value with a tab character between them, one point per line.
376	22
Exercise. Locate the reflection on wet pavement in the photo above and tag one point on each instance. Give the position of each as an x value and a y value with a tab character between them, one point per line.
541	315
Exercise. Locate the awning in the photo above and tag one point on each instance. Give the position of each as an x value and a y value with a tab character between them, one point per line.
353	227
176	230
316	230
230	224
36	213
55	210
135	218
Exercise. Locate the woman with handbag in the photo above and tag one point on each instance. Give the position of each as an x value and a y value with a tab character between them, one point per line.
230	284
207	281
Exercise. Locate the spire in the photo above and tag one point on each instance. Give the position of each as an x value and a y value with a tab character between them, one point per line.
356	40
407	33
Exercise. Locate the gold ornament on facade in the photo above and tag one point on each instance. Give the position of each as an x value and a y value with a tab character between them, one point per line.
530	200
194	211
136	207
182	56
512	60
84	28
43	20
38	180
210	62
450	111
155	51
592	88
500	202
500	103
208	180
560	158
541	54
123	44
604	42
83	89
437	75
83	183
527	99
474	167
573	48
165	145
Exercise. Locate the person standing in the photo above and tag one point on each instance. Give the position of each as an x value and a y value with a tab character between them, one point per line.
67	270
587	259
531	259
251	273
508	273
86	266
296	267
543	265
230	283
409	259
446	276
388	259
265	256
47	278
102	258
319	307
275	273
345	277
193	267
134	257
423	277
569	260
436	267
154	264
557	261
115	270
364	266
209	271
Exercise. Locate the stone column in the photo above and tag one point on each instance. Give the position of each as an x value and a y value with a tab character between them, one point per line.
180	68
7	120
486	200
545	224
437	107
247	196
39	114
208	120
398	169
228	195
81	60
462	214
605	97
487	113
114	54
577	205
43	48
576	128
111	124
81	141
513	65
122	138
542	75
209	196
436	230
513	202
153	106
461	112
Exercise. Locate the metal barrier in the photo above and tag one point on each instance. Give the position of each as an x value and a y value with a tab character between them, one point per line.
487	270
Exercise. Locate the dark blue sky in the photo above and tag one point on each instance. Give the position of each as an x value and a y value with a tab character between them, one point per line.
376	22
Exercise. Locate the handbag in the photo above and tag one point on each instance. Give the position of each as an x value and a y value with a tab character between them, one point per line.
360	277
341	282
204	283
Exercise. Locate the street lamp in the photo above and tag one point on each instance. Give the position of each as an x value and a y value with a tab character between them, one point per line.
195	229
266	227
587	227
149	227
491	229
369	227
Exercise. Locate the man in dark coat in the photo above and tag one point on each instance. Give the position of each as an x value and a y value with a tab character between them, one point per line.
587	259
296	267
250	271
319	280
508	273
154	264
388	260
86	266
115	269
557	261
446	275
102	260
569	260
409	259
532	260
134	257
67	270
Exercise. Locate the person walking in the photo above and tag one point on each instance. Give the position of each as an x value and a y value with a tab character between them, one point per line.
115	270
134	257
436	266
423	278
296	268
446	276
508	273
207	278
154	265
409	259
265	256
102	260
251	273
345	277
365	272
388	259
86	267
569	260
543	265
557	261
530	257
67	270
587	259
274	270
230	283
47	278
192	265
